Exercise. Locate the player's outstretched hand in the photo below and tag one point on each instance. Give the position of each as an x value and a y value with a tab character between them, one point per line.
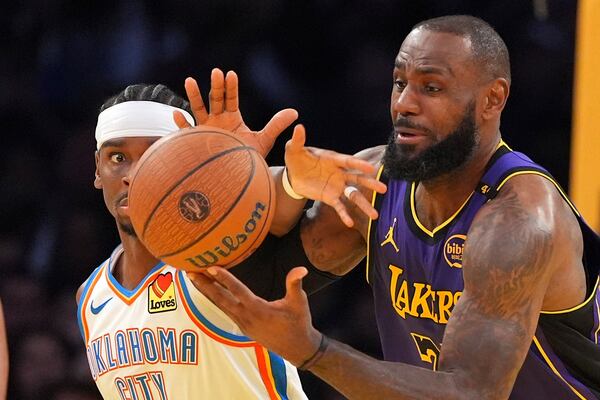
324	175
224	112
283	326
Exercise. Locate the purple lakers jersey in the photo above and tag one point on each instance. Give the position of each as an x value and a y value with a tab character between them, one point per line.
416	277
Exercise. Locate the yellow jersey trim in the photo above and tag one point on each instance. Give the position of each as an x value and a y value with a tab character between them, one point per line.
439	227
553	368
369	227
503	143
597	333
562	193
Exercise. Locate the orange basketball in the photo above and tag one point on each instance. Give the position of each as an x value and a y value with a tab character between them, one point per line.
201	197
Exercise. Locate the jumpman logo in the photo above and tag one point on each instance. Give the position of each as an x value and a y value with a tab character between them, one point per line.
389	237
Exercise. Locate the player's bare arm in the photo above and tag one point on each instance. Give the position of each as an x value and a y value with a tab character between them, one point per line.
515	247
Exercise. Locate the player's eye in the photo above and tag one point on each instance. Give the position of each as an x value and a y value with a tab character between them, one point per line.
400	84
117	157
432	89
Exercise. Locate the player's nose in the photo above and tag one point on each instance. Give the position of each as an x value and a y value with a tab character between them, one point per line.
128	176
407	103
126	179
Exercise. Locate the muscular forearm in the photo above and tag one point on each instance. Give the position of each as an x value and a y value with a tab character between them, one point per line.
287	209
329	245
358	376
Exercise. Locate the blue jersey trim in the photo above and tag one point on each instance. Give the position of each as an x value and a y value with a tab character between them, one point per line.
84	294
132	292
204	320
279	374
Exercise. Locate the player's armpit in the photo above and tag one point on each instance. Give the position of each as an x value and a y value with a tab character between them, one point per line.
507	265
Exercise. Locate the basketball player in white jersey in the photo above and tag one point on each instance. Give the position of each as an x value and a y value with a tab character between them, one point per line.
149	333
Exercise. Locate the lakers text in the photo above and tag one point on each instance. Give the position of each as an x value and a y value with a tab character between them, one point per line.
419	299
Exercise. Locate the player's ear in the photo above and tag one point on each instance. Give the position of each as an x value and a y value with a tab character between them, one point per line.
495	98
97	180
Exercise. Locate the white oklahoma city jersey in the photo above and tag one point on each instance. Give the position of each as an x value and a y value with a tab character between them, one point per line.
165	340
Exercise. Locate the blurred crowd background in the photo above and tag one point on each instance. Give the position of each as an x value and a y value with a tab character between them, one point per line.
330	59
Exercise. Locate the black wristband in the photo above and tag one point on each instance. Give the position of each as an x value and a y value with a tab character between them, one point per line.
312	360
265	270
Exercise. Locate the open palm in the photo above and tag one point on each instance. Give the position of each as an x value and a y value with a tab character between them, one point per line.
224	112
323	175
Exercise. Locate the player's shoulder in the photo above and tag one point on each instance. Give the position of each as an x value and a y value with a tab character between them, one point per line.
374	155
80	292
85	285
534	194
530	204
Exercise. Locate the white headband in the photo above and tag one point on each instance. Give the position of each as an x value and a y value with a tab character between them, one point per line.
135	119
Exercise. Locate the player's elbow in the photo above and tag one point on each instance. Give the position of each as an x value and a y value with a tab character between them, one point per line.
466	385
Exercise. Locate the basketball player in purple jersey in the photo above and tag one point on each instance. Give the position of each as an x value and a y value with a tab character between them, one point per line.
484	275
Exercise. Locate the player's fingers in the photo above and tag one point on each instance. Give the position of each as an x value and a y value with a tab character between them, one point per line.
363	204
231	92
293	283
180	120
342	212
350	162
195	98
366	181
231	283
216	97
279	123
298	138
217	293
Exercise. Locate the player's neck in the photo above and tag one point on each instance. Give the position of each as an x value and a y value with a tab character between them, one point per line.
438	199
135	262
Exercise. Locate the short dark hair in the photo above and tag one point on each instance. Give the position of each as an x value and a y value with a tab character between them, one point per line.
486	44
148	92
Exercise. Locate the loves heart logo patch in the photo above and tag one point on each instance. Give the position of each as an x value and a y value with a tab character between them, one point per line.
162	283
161	294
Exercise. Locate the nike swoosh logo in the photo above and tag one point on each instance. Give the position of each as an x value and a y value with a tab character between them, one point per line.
96	310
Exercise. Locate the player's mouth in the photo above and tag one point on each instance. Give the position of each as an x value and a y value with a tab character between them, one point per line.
123	204
409	135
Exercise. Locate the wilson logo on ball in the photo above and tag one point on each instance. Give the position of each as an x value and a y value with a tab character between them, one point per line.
201	197
229	244
194	206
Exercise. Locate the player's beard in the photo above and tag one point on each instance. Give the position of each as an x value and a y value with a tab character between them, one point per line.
439	159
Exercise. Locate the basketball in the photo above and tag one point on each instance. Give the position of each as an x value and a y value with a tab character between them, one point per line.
201	197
